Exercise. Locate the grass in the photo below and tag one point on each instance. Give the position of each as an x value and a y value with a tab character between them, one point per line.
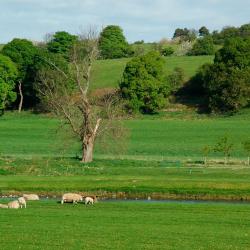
126	225
163	137
126	178
107	73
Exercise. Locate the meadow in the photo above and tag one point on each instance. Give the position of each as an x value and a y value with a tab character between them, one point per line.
35	156
107	73
126	225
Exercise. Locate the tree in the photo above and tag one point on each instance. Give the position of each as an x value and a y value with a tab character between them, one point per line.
226	83
204	31
112	43
61	43
66	93
176	79
203	46
185	34
246	146
8	75
143	83
22	53
224	146
235	53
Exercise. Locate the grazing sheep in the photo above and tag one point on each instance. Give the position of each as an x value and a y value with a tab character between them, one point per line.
71	197
14	204
3	206
22	202
89	200
31	197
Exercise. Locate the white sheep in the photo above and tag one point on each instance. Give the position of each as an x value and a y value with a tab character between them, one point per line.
3	206
89	200
71	197
22	202
14	204
31	197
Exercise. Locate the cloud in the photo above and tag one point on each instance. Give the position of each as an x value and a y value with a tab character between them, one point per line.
140	19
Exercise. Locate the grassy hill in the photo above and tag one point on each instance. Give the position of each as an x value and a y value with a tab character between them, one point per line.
107	73
1	46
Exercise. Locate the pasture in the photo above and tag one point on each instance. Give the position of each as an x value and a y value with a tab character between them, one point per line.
107	73
163	137
164	157
126	225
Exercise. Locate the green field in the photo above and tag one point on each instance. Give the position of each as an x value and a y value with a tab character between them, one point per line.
126	225
164	157
165	137
107	73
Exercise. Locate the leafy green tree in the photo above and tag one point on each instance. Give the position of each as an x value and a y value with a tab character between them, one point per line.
235	53
204	31
224	146
113	44
176	79
185	34
61	43
8	75
203	46
143	83
226	83
246	146
22	53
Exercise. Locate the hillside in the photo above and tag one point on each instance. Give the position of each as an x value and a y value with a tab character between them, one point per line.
107	73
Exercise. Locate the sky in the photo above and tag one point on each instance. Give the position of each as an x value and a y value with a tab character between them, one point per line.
148	20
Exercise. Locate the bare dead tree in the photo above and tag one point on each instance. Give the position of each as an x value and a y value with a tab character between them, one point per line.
21	97
68	95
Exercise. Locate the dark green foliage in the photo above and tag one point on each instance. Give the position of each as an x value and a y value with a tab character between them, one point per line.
22	52
143	83
61	43
167	51
235	53
8	75
203	31
176	79
185	34
231	32
226	83
203	46
113	43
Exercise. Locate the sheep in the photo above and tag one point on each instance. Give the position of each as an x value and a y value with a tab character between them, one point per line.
71	197
3	206
14	204
31	197
22	202
89	200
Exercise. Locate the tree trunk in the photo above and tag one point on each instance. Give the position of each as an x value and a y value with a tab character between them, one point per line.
87	151
21	97
88	144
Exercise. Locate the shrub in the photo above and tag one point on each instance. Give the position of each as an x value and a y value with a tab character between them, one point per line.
143	84
203	46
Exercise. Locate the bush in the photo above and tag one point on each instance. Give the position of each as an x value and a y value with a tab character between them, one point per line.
203	46
176	79
143	84
168	51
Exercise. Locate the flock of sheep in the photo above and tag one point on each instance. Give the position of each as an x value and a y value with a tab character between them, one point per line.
68	197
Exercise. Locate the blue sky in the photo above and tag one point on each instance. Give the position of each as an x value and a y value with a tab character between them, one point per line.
149	20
